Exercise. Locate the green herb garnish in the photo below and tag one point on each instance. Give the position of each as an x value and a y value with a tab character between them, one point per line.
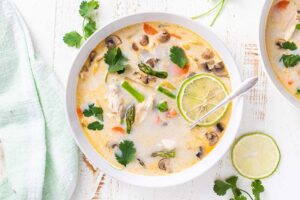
131	90
97	112
163	106
95	126
129	118
115	59
86	10
178	56
164	154
298	26
166	92
298	91
127	152
221	187
148	70
220	5
290	60
289	45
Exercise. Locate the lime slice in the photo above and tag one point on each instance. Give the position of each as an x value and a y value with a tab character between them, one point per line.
198	95
255	155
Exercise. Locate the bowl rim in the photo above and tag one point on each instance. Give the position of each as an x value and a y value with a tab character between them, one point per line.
142	180
265	60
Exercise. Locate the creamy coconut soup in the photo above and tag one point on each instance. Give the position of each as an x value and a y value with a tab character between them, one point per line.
127	98
283	42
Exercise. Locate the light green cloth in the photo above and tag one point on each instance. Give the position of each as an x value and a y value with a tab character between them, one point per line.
41	159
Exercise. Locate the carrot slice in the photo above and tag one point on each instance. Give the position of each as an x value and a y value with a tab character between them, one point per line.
290	82
176	36
118	129
182	71
149	29
157	120
282	5
79	113
171	113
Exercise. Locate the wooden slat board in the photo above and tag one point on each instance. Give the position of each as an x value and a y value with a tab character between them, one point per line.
265	110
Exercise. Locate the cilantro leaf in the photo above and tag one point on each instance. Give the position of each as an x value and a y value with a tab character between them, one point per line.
240	198
95	126
298	91
93	110
289	45
86	8
257	188
232	180
115	59
290	60
163	106
127	152
298	26
178	56
220	187
73	39
89	28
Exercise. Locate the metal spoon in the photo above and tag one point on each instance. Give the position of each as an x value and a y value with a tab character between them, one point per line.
244	88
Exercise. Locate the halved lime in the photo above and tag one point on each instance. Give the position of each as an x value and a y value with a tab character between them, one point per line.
255	155
198	95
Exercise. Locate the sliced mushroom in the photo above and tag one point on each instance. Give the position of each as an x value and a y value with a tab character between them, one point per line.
92	56
279	42
152	61
145	78
141	162
200	152
112	41
212	138
164	164
220	127
207	54
144	40
219	69
135	47
207	66
164	36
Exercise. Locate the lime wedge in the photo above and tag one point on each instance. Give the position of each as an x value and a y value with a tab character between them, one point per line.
255	155
198	95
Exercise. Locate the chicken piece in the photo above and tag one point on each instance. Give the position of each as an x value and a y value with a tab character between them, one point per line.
143	108
115	100
291	25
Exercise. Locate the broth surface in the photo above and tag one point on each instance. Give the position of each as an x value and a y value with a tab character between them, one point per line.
152	131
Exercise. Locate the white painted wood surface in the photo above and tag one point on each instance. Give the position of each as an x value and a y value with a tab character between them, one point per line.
265	109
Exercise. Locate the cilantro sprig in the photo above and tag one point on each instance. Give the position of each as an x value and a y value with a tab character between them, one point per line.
97	112
126	153
86	10
289	45
115	60
290	60
178	57
221	187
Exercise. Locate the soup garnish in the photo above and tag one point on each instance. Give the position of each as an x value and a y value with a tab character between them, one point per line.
130	98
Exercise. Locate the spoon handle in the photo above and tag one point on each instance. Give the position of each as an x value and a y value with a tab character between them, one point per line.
243	88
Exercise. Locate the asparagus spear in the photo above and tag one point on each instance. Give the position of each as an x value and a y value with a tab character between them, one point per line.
136	94
130	117
148	70
164	154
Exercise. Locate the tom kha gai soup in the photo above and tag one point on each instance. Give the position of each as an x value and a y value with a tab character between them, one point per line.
139	90
283	43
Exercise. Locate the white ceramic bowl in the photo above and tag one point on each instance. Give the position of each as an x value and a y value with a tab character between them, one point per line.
135	179
264	56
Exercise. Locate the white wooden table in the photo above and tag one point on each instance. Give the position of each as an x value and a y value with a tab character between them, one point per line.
265	109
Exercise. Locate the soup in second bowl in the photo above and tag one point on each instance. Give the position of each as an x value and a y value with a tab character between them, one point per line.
139	90
283	43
